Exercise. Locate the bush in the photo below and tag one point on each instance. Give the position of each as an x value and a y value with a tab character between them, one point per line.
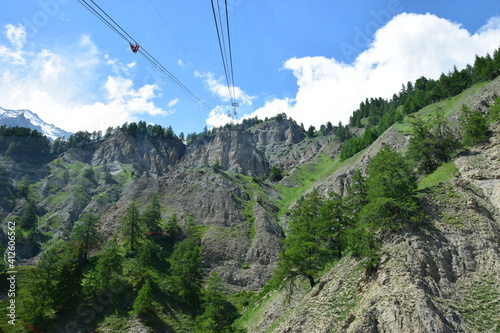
275	174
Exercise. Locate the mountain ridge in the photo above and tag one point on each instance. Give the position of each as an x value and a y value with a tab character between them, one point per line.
29	119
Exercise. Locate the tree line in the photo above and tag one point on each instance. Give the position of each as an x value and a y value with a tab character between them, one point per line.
378	114
24	144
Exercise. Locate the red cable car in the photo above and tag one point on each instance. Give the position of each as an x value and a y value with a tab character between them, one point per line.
135	47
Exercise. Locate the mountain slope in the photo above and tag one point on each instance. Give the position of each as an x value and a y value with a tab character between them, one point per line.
441	276
29	119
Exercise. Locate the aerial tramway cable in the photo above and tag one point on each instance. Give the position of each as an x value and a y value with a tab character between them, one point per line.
99	12
230	51
168	27
225	48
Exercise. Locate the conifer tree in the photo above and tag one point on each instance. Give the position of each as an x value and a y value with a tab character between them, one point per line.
132	229
85	234
38	294
474	126
185	269
143	304
218	312
109	268
391	187
304	255
152	215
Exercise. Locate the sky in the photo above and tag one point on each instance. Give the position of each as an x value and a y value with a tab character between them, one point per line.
314	60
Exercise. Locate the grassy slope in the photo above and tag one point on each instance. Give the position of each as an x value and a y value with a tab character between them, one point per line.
303	178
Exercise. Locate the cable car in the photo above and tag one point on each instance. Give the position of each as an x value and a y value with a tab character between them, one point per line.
135	47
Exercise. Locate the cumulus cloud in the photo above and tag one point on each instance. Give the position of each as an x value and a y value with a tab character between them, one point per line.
70	89
173	102
16	35
49	65
17	39
221	90
407	47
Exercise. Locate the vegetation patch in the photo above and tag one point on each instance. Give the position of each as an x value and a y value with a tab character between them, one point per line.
441	175
303	178
481	303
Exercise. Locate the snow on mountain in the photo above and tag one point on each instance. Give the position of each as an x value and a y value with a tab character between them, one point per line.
27	118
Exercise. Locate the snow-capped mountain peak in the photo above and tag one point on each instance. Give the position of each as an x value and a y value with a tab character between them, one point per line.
27	118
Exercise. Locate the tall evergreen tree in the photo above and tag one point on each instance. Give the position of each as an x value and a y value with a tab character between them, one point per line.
38	295
218	312
303	253
85	234
334	221
143	304
132	229
70	276
109	268
152	215
185	266
391	186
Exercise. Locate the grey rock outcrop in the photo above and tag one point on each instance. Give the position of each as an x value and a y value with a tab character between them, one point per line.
247	152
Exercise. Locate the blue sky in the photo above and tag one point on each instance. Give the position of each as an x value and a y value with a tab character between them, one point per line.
315	60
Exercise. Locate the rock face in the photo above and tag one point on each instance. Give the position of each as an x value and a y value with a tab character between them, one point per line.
144	154
234	150
243	249
248	152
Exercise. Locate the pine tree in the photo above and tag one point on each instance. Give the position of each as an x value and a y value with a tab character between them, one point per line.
109	268
143	303
303	254
218	312
85	234
474	126
432	143
132	229
172	227
391	187
275	174
334	221
152	215
38	294
69	277
185	270
390	175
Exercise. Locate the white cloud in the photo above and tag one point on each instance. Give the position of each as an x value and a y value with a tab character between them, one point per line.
221	90
493	24
218	116
407	47
16	35
49	64
119	67
173	102
17	39
72	88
